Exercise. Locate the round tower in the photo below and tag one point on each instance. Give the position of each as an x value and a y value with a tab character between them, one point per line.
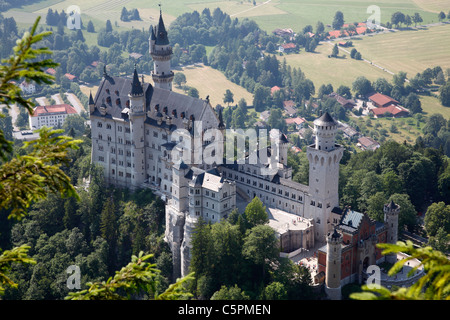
137	119
161	52
324	157
391	212
333	267
325	129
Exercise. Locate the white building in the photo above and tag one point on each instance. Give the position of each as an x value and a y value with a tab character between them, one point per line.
27	88
50	116
135	137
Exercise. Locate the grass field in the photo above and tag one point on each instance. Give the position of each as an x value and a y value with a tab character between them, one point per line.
410	51
209	81
337	71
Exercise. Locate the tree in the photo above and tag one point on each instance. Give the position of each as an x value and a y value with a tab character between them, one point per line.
381	85
228	97
261	246
441	16
358	56
338	20
397	18
90	27
108	26
36	171
444	95
353	53
335	51
399	79
232	293
193	92
361	86
344	91
255	213
320	27
179	79
437	215
136	277
432	286
412	102
417	18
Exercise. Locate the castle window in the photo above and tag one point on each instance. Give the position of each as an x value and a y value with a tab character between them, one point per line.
108	126
99	124
127	130
101	158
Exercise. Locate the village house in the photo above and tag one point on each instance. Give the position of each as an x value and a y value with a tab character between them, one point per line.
27	87
50	116
346	103
289	107
367	143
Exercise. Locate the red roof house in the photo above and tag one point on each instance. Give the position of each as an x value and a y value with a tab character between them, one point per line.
381	100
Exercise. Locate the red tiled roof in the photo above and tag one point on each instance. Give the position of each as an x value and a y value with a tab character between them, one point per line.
51	71
297	121
289	45
70	76
382	100
274	89
392	109
58	108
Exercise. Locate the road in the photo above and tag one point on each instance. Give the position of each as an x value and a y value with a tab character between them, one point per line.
253	8
73	99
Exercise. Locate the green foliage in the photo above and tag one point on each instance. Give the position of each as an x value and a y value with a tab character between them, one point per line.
7	258
138	277
232	293
434	285
30	177
256	213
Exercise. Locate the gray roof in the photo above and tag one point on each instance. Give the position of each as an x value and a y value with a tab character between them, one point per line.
113	94
161	33
325	120
352	218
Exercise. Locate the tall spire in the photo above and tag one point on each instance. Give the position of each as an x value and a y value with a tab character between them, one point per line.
91	100
161	33
136	87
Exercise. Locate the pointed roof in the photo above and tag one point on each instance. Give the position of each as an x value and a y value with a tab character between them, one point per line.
152	33
161	33
391	206
136	87
325	120
91	100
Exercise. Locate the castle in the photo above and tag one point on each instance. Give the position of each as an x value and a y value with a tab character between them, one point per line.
142	134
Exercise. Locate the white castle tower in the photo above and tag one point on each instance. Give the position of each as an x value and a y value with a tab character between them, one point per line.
161	52
333	268
137	119
391	211
324	157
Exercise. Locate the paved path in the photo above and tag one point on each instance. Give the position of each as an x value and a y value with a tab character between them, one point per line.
259	5
73	99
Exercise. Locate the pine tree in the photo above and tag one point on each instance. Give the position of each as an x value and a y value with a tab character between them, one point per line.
90	27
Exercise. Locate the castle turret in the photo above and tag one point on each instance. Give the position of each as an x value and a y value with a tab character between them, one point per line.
324	157
391	211
333	267
91	103
137	118
161	52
